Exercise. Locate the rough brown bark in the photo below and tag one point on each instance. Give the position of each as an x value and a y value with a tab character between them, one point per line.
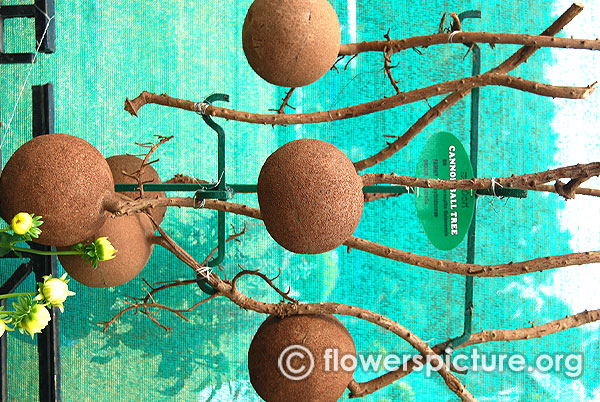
532	181
451	267
593	192
131	207
132	106
361	389
229	290
481	270
395	46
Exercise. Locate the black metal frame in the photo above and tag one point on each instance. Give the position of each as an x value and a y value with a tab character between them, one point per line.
42	11
49	340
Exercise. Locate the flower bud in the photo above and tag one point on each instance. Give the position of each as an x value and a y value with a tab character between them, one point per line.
104	249
21	223
54	291
36	320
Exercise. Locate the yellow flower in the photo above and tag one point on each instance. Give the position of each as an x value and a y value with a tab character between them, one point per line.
2	328
54	291
21	223
37	319
4	323
104	249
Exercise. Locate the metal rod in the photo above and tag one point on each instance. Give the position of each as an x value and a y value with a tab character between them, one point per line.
45	9
474	149
45	29
49	338
17	11
221	186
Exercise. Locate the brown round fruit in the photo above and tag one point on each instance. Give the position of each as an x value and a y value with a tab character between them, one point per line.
310	196
291	43
129	164
132	236
62	178
271	354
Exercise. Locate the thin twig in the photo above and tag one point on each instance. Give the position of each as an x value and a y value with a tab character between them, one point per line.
442	22
137	175
285	101
387	63
232	237
265	278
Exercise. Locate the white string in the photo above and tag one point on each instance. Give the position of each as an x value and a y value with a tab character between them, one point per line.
197	182
206	271
201	107
43	13
493	199
452	36
494	184
219	181
37	50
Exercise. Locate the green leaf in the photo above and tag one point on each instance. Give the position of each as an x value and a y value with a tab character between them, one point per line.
4	251
36	221
5	237
10	238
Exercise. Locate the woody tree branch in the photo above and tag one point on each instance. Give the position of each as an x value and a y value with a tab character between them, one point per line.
508	65
362	389
577	174
403	98
229	290
398	45
451	267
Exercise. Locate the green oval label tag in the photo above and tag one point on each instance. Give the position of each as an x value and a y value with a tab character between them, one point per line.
445	214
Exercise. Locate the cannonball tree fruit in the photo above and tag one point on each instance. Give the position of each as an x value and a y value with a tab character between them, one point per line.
310	196
132	236
129	164
278	358
62	178
291	43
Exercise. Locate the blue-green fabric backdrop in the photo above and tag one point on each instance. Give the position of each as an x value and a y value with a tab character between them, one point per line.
109	50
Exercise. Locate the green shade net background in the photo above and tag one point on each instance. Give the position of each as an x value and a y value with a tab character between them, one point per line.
108	50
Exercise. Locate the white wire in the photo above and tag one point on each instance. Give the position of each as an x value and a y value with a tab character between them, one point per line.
452	36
